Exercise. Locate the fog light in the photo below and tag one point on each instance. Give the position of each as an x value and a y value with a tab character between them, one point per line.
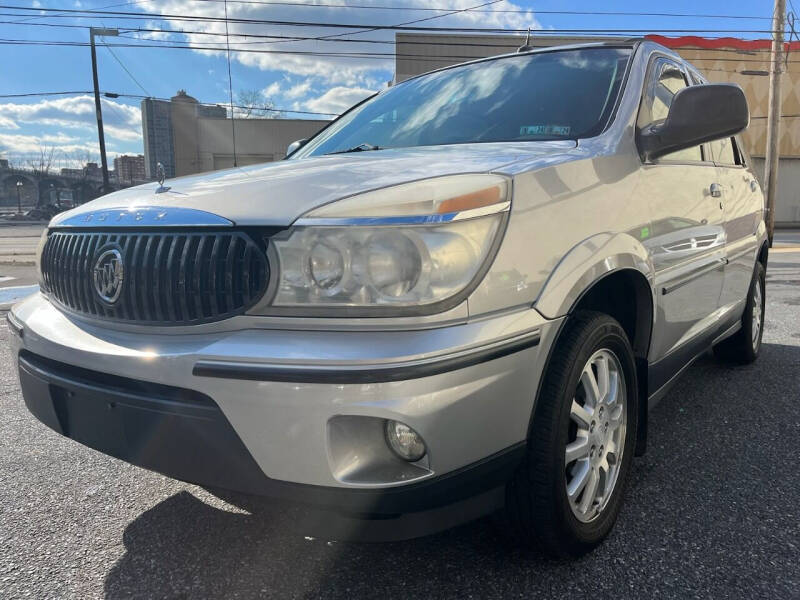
404	441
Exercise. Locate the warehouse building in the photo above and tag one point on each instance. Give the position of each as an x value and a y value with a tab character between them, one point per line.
187	137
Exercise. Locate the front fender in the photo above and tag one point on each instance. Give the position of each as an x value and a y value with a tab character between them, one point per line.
587	262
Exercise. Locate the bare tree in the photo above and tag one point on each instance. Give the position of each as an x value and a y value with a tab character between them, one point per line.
78	159
40	164
253	104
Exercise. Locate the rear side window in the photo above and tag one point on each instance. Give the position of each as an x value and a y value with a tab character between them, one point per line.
667	80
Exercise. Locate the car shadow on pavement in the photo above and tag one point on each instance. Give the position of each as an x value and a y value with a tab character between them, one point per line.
185	547
732	424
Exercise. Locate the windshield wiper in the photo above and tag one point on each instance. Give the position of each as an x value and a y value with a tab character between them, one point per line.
360	148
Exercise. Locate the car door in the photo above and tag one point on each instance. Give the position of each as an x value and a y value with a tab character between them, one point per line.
686	237
741	198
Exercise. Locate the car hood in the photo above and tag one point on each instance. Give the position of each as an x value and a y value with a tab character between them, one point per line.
278	193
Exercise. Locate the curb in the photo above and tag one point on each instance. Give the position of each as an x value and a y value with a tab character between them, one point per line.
21	223
27	262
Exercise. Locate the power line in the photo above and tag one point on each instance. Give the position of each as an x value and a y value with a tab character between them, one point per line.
114	95
512	43
447	14
124	68
375	27
99	8
497	11
317	53
31	94
261	108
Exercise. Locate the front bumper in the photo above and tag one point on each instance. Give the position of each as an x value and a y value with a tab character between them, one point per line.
252	410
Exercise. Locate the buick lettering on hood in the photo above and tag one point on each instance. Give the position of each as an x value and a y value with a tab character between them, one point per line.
460	297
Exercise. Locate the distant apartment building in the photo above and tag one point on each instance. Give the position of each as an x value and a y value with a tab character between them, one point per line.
188	137
157	133
129	169
93	171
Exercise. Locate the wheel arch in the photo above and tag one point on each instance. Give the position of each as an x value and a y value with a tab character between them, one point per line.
617	282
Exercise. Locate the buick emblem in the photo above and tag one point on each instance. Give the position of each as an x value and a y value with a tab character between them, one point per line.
108	274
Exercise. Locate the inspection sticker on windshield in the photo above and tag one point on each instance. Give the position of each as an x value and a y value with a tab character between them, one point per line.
544	130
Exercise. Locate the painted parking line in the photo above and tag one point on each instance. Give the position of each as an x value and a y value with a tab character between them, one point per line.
6	278
12	295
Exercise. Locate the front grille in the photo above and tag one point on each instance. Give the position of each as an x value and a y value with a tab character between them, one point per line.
174	278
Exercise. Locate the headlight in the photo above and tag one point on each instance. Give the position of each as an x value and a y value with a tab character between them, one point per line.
407	249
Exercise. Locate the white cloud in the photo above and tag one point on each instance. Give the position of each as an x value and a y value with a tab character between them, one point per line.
23	145
338	99
68	125
299	90
122	133
6	123
273	89
120	120
317	60
58	138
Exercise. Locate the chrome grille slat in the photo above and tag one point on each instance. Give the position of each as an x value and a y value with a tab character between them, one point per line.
197	275
134	289
174	277
212	267
147	305
78	273
157	278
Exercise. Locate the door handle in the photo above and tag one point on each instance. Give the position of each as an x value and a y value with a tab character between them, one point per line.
716	190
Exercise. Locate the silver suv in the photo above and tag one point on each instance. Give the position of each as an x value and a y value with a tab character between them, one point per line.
460	297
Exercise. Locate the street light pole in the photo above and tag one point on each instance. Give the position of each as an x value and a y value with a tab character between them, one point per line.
19	199
93	31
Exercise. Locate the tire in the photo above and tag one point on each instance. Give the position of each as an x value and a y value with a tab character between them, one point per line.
742	347
538	510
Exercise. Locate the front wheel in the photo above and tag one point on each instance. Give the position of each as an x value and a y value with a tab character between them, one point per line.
568	493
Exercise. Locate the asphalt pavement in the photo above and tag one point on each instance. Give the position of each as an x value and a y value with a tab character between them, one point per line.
711	510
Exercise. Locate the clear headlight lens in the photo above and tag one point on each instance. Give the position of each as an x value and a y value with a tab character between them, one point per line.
406	246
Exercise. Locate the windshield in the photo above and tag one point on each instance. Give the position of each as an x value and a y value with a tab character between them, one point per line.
565	94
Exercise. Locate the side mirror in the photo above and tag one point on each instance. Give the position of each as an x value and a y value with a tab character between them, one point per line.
295	146
698	114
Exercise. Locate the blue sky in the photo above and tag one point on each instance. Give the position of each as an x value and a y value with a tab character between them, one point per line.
297	82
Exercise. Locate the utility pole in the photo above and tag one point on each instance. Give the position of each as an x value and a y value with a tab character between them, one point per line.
93	31
774	114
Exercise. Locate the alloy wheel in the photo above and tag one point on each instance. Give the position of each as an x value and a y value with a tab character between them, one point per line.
758	314
593	453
